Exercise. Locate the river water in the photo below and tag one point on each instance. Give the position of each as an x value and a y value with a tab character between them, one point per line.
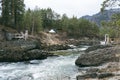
52	68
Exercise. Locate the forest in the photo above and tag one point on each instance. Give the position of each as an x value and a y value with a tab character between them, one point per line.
14	15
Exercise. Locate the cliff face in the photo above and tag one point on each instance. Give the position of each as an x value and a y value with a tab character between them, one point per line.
102	16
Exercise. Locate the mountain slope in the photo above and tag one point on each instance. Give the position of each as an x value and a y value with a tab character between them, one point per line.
101	16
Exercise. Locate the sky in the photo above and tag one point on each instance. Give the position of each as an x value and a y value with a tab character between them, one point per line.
76	8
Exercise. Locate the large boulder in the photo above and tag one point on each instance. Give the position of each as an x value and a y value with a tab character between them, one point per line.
20	50
20	45
16	56
36	54
98	57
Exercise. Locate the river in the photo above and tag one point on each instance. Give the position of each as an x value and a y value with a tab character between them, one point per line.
52	68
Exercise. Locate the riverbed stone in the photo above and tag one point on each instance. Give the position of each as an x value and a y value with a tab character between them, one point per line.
95	47
56	47
16	56
83	77
105	75
21	50
82	42
94	76
97	57
37	54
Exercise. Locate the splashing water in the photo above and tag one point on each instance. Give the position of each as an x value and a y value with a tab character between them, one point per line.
52	68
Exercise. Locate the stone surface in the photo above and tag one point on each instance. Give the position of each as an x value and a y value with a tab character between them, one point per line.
82	77
94	76
102	64
16	56
108	71
95	47
20	50
56	47
98	57
105	75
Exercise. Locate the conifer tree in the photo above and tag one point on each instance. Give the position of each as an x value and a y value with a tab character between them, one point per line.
5	12
12	12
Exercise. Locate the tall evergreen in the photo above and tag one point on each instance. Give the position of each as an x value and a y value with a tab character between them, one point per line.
12	12
17	12
5	12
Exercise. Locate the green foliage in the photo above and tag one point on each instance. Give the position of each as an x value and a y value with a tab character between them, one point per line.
107	28
79	27
33	20
116	23
37	20
112	27
12	12
88	29
27	21
73	26
110	4
50	18
65	22
42	19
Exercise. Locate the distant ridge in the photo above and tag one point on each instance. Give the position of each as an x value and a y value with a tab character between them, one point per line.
102	16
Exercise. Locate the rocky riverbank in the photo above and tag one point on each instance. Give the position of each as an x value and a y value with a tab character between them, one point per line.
100	63
20	50
35	47
24	50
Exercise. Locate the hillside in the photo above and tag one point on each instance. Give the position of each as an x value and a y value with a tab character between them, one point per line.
51	39
44	37
101	16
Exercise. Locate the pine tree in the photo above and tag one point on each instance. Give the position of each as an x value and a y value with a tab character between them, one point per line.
5	12
12	12
17	12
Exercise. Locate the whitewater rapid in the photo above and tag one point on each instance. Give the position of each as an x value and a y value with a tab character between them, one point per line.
52	68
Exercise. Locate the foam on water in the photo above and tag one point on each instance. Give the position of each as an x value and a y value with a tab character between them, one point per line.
52	68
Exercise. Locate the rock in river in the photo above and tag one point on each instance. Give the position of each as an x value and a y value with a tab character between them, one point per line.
20	50
94	75
98	57
95	47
